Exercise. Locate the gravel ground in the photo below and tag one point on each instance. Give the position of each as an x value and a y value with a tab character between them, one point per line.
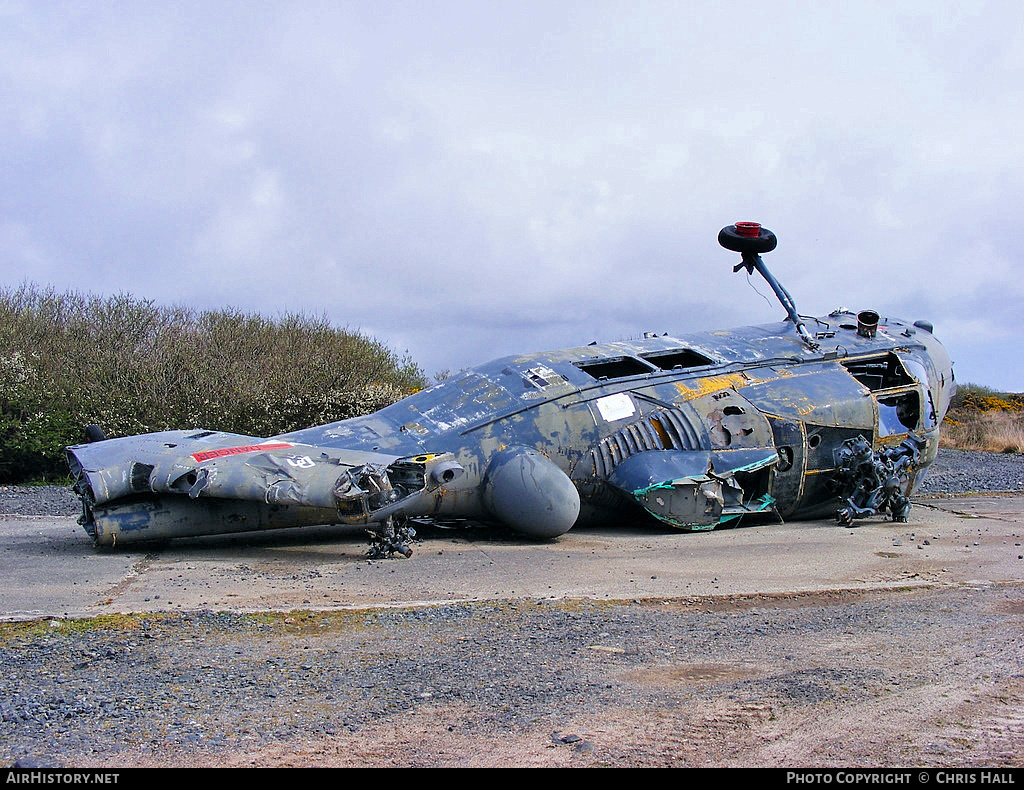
929	676
39	501
965	471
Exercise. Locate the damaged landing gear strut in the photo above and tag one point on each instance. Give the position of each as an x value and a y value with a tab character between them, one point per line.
391	537
870	483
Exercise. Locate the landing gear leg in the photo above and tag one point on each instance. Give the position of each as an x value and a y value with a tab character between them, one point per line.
391	537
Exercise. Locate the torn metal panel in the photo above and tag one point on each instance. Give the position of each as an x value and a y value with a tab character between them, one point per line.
698	489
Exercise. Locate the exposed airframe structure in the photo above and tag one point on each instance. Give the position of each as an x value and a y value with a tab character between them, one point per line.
836	415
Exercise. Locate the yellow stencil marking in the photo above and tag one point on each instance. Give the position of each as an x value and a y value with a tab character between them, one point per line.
705	386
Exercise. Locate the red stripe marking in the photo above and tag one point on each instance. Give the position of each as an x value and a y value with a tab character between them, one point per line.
226	451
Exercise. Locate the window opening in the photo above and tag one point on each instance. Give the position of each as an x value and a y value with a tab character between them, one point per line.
679	359
879	373
616	368
898	413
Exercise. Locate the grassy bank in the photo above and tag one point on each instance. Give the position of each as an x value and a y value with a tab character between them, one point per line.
981	418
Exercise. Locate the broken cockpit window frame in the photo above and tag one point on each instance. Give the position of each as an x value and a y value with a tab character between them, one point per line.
899	414
896	392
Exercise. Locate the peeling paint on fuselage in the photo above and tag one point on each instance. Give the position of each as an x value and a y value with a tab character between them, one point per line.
769	373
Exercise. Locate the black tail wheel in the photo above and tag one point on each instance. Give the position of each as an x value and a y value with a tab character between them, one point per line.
747	237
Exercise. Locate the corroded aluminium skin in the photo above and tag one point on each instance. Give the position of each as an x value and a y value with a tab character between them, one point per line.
694	431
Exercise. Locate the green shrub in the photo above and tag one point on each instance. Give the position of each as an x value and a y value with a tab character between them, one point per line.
69	359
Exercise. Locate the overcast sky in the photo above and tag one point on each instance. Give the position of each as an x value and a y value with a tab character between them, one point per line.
464	180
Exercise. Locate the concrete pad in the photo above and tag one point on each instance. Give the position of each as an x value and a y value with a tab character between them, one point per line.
51	569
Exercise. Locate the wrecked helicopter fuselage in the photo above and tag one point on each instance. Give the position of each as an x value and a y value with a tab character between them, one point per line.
809	417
